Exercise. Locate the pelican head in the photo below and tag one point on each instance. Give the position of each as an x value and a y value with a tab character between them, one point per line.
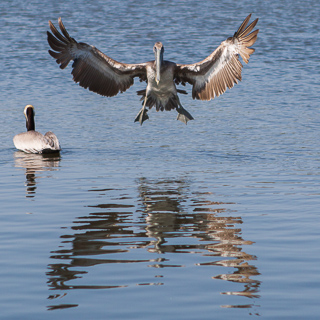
158	50
29	113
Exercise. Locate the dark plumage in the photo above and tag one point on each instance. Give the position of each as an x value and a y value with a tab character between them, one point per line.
209	78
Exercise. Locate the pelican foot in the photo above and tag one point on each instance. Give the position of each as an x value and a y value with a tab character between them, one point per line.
142	116
183	115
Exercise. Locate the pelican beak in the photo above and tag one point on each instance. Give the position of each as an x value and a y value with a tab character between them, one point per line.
158	65
159	58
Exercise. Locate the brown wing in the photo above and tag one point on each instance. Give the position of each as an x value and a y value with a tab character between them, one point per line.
211	76
91	68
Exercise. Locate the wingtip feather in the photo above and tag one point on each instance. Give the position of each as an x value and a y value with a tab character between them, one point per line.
243	25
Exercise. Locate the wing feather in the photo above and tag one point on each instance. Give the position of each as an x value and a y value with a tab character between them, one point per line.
222	69
91	68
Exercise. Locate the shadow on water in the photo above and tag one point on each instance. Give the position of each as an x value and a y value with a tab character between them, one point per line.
166	217
34	163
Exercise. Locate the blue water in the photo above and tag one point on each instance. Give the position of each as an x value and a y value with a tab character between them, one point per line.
218	219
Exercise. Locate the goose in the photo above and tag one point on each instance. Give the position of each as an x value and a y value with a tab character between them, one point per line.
209	78
33	141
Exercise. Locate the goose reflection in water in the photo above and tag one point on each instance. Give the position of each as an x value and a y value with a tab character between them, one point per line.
33	164
128	233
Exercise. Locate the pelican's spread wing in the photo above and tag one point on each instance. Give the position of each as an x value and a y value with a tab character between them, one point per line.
222	68
91	68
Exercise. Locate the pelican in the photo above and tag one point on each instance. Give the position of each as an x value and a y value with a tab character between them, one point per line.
33	141
209	78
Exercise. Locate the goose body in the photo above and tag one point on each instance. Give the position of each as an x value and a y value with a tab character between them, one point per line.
33	141
209	78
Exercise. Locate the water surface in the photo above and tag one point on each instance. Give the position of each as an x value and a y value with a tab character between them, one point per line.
218	219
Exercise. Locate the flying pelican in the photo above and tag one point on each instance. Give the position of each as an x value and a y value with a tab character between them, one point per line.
101	74
33	141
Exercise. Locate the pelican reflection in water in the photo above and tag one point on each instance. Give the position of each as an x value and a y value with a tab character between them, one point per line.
34	165
128	233
209	78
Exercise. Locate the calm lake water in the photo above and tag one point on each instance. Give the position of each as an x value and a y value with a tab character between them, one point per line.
218	219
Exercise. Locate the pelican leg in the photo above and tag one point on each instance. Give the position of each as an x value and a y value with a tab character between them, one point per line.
142	115
183	114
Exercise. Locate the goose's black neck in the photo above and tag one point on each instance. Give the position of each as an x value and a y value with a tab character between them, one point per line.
30	119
